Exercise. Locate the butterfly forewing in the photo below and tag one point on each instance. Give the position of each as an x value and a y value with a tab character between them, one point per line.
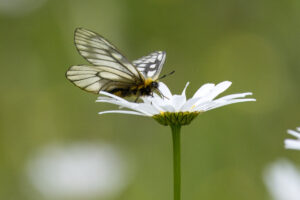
100	52
112	70
151	65
97	78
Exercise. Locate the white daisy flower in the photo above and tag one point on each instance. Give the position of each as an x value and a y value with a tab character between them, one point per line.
175	111
282	179
170	109
79	171
293	143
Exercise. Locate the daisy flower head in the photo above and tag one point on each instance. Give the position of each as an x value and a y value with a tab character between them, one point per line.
293	143
282	179
176	109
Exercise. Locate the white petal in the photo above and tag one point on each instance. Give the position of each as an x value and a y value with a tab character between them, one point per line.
111	95
122	112
201	101
158	107
162	101
239	101
147	99
294	133
147	109
103	98
150	99
177	102
119	103
234	96
168	108
218	89
183	91
163	88
204	90
208	92
292	144
217	104
206	106
190	104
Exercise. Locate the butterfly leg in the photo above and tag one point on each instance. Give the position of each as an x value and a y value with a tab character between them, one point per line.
137	98
161	94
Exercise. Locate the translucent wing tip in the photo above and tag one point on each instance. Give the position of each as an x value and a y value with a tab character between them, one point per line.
163	54
160	52
82	31
79	29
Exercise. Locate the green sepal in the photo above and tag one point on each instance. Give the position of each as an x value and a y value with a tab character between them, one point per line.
177	118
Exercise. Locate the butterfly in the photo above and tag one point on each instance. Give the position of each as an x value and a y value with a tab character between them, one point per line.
111	71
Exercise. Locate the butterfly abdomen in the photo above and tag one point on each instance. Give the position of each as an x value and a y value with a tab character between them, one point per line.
143	89
122	92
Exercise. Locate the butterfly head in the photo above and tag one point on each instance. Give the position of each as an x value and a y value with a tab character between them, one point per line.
148	87
154	84
151	84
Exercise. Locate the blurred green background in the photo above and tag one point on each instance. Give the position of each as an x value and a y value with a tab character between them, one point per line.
254	44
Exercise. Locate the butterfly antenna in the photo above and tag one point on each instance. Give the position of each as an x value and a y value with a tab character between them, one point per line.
164	76
137	98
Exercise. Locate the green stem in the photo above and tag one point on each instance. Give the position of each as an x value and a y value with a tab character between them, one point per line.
176	161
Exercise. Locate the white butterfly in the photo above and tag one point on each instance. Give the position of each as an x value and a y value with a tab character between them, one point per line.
110	70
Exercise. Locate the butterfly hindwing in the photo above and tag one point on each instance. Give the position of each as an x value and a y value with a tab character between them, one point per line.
151	65
97	78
